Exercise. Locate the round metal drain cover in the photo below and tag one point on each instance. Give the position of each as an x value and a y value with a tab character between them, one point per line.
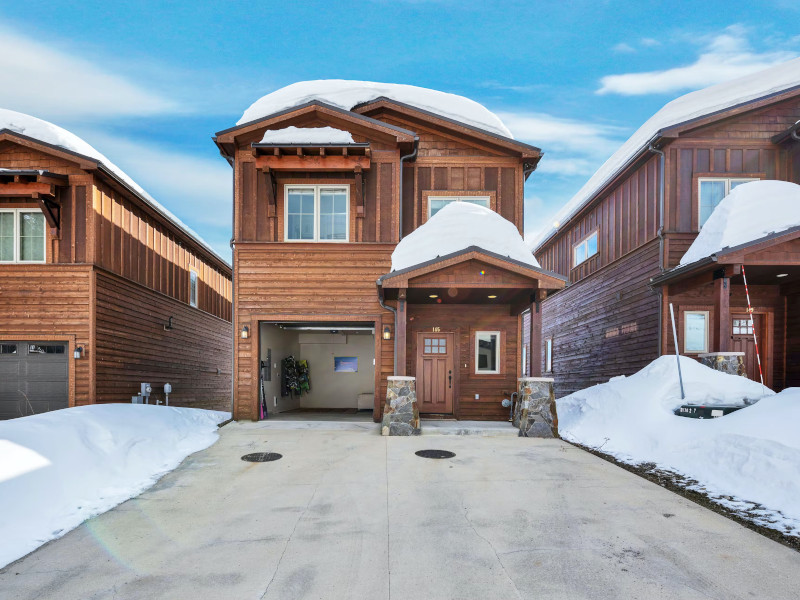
262	457
435	453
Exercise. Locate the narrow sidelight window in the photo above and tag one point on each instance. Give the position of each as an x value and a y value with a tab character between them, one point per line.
548	355
487	352
695	331
317	213
192	287
22	236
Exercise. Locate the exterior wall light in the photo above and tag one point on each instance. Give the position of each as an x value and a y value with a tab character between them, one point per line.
387	332
245	332
78	352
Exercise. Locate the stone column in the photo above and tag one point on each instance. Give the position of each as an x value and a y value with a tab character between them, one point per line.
731	363
400	413
537	408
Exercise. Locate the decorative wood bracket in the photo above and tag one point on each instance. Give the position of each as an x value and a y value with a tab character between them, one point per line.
51	210
272	193
359	185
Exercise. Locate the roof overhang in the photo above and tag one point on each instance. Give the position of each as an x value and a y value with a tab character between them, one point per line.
312	157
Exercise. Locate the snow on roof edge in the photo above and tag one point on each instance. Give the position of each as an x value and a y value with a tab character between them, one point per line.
644	135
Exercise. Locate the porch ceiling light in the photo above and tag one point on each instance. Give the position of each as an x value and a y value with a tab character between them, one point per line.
433	296
782	275
492	296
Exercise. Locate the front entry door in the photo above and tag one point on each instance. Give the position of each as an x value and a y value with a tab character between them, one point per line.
435	373
742	341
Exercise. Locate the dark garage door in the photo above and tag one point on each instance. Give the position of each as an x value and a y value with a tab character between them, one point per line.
33	377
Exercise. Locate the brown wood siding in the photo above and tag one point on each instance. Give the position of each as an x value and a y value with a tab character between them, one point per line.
50	303
792	339
464	320
132	346
604	325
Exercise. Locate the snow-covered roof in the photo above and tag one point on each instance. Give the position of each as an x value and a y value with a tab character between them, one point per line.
54	135
346	94
307	135
456	227
750	212
685	108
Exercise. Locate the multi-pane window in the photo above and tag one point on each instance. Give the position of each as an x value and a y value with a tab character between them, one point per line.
437	203
487	352
695	331
192	287
742	327
22	235
435	346
585	249
713	190
317	213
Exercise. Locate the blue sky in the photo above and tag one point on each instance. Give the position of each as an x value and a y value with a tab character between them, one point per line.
149	83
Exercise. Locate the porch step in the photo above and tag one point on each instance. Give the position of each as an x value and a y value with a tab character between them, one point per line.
484	428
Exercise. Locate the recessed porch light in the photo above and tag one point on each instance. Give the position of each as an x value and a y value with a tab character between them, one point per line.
433	296
492	296
782	275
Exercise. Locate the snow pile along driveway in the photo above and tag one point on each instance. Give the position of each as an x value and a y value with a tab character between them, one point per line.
60	468
750	457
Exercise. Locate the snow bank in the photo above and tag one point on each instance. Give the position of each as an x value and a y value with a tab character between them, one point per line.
346	94
307	135
752	454
58	469
751	211
457	226
684	108
49	133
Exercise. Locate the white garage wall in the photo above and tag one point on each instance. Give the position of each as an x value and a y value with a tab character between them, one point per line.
338	390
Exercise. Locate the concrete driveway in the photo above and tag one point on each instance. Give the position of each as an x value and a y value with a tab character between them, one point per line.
348	514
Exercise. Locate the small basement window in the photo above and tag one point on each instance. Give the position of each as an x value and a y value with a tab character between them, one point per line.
713	190
192	287
22	236
695	331
317	213
584	250
437	203
487	352
548	355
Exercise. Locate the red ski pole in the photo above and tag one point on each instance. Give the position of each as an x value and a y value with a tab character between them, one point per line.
752	325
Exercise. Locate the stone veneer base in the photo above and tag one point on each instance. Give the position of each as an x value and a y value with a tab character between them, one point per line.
731	363
537	408
400	413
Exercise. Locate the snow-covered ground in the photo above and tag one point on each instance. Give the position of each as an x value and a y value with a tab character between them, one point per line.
748	461
60	468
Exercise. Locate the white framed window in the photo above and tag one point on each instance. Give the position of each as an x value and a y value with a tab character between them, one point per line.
317	213
437	203
711	191
584	250
192	287
22	236
487	352
695	331
548	355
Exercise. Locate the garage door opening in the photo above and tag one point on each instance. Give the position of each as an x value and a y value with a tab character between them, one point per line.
34	377
320	370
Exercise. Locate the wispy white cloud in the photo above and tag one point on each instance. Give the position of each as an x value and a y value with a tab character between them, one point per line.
649	42
623	48
724	56
56	83
496	85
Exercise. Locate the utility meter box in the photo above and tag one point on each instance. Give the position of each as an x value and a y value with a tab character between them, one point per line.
146	389
167	388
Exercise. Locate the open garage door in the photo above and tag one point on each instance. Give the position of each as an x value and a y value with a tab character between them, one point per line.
318	367
34	377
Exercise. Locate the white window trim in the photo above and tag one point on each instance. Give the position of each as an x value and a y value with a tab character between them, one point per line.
707	315
459	199
194	301
585	242
727	181
15	260
548	355
316	188
496	370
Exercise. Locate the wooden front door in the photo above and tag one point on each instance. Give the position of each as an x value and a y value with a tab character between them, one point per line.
435	373
742	341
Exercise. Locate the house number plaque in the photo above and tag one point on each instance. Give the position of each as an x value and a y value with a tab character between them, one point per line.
436	329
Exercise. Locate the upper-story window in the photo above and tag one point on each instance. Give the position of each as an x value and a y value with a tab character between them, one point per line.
584	250
317	213
437	203
713	190
22	236
192	287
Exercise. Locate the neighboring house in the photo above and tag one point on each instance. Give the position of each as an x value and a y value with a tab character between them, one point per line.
328	177
621	237
101	288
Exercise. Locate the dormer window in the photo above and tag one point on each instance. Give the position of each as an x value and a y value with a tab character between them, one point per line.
317	213
22	236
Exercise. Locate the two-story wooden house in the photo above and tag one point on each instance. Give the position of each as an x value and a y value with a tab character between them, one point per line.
328	177
101	288
621	238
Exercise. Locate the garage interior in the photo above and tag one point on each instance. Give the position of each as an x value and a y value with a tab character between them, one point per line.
340	359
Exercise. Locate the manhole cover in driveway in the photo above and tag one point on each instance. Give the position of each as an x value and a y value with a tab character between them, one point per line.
262	457
435	453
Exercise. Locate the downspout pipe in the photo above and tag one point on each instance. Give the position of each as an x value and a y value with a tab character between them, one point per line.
233	288
662	175
394	310
402	160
